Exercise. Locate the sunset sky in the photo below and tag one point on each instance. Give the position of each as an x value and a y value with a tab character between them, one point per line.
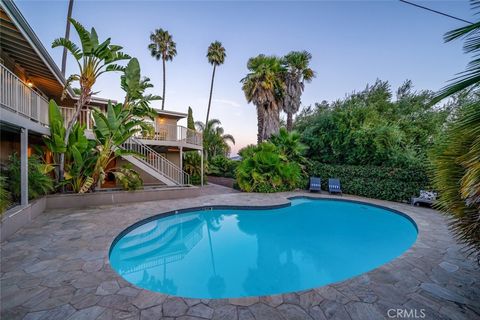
352	43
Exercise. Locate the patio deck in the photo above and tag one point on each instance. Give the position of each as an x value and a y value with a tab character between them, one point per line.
58	268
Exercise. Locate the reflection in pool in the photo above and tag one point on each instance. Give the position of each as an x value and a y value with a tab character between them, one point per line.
236	253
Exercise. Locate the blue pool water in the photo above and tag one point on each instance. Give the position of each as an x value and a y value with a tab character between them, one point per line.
237	253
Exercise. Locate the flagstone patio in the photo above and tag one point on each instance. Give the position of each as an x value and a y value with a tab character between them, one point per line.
58	268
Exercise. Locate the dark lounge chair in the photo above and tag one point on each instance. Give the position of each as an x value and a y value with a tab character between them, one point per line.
334	186
315	184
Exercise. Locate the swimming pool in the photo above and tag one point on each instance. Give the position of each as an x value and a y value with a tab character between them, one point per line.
235	252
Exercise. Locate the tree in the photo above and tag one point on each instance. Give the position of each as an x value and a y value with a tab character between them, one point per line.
190	122
369	128
457	159
215	141
67	36
93	59
121	121
470	78
216	56
162	47
456	175
298	72
264	86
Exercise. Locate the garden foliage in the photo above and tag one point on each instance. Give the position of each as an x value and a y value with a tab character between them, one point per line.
221	166
387	183
269	166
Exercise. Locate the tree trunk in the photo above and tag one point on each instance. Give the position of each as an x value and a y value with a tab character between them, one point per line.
271	121
164	77
211	91
82	100
67	36
260	123
289	121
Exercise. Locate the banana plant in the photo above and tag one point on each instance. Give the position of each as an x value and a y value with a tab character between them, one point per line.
122	121
111	131
93	59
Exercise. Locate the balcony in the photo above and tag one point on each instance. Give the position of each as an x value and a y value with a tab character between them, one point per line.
19	98
163	134
174	133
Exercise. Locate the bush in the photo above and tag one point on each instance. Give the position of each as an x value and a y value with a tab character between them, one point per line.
192	166
386	183
221	166
265	169
39	181
128	178
5	197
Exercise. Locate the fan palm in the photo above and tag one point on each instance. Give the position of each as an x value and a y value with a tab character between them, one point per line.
470	78
93	59
298	72
216	56
457	161
215	141
264	86
162	47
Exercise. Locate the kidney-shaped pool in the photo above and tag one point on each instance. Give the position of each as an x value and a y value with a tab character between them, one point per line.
232	253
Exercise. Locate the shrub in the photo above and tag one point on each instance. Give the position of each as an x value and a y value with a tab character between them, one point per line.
221	166
192	165
4	195
128	178
386	183
265	169
39	181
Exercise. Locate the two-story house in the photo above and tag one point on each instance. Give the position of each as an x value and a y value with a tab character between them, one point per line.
29	78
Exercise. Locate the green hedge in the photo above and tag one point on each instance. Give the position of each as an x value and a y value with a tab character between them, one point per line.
386	183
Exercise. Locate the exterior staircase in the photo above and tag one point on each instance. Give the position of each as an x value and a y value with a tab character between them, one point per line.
154	163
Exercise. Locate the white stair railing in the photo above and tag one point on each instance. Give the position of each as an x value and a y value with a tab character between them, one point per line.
157	162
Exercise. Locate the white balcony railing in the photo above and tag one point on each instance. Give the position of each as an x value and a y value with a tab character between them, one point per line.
85	116
162	132
170	132
21	99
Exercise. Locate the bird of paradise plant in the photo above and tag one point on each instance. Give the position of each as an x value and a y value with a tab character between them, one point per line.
93	59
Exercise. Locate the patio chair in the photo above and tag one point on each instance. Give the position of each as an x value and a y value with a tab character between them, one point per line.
334	186
426	197
315	184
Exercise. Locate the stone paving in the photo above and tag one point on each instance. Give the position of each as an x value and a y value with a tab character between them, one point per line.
58	268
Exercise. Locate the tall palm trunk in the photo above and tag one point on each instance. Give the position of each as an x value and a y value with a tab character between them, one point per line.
289	121
271	124
260	122
67	36
211	91
164	77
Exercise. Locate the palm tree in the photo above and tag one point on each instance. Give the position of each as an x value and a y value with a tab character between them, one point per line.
162	47
216	56
93	59
215	141
470	78
456	173
264	86
67	36
298	72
